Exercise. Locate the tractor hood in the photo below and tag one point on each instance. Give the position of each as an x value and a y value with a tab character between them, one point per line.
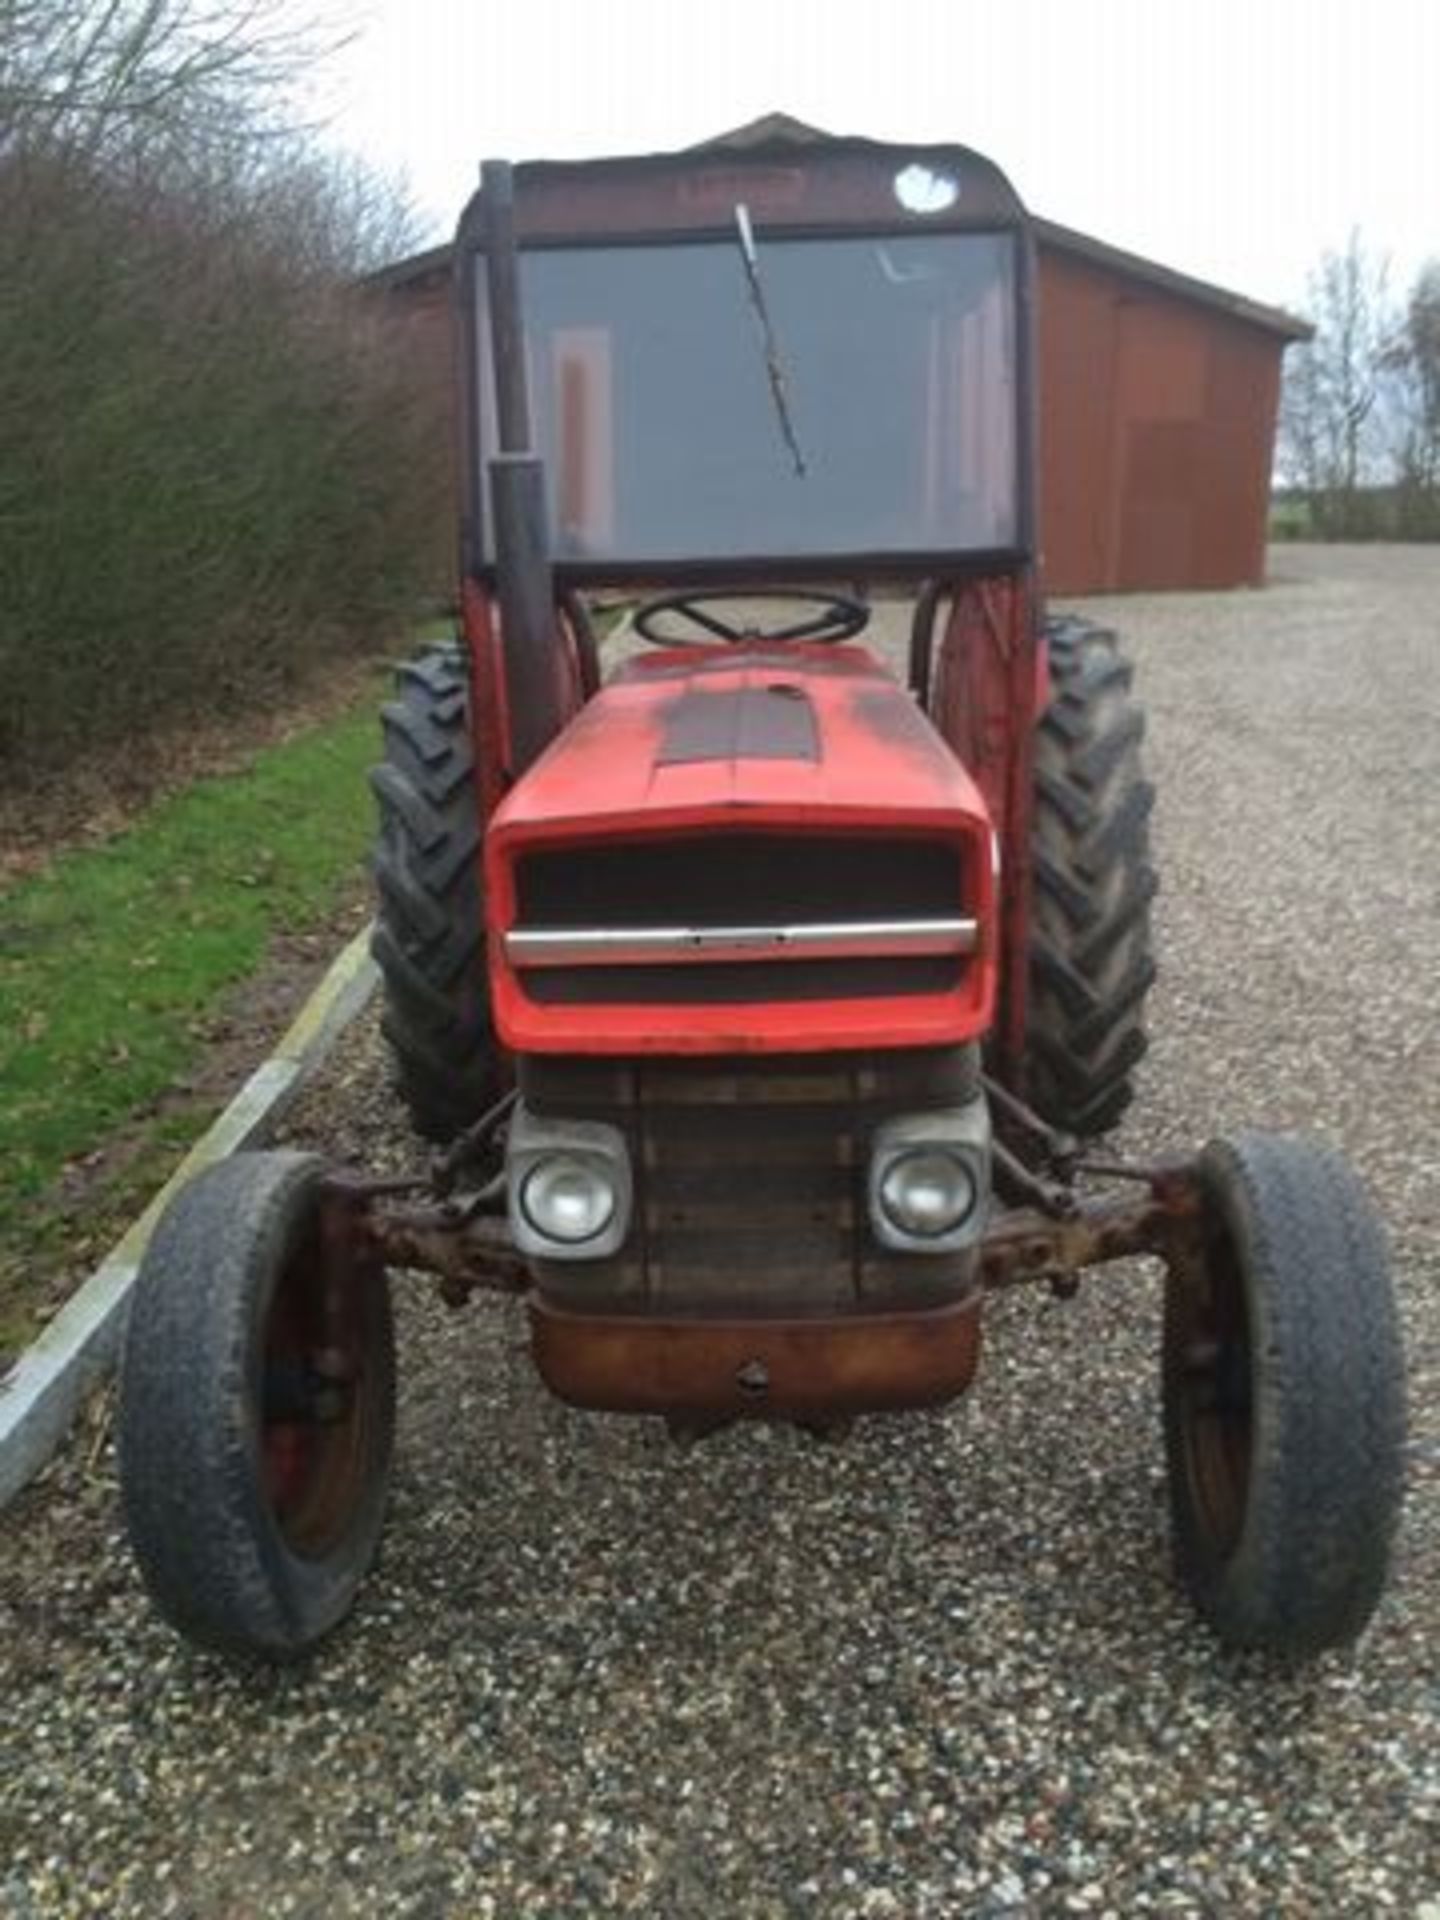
810	731
742	849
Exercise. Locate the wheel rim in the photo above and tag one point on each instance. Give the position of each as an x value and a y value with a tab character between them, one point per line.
314	1408
1214	1392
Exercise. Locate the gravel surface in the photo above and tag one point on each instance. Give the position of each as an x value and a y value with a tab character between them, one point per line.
940	1670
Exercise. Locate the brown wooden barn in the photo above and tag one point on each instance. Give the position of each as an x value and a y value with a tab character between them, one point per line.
1158	399
1158	402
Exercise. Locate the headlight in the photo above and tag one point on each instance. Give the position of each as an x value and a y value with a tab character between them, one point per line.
929	1179
568	1199
569	1187
927	1193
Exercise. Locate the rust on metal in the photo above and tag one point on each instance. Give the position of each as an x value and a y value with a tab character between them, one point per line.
344	1206
469	1255
472	1251
804	1367
468	1249
785	1369
316	1377
1026	1245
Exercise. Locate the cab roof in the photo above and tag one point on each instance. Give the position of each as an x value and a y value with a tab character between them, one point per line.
792	177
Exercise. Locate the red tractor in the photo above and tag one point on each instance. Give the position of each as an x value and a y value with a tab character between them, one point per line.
766	1007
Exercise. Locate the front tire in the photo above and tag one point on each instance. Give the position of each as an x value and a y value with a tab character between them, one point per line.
1283	1394
256	1415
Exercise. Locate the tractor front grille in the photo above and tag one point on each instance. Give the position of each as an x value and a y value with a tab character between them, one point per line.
796	918
750	1180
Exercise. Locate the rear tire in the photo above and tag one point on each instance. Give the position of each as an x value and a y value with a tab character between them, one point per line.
429	939
257	1409
1090	956
1283	1391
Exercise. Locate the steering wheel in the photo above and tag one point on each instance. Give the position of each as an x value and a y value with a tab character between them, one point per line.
837	617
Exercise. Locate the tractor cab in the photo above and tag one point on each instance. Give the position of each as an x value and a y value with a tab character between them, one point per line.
719	379
759	366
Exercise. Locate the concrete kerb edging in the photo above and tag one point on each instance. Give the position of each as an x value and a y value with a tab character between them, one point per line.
44	1391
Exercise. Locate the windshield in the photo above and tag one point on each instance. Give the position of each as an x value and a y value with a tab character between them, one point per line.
655	406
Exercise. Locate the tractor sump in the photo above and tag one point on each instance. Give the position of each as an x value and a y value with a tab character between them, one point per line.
808	1370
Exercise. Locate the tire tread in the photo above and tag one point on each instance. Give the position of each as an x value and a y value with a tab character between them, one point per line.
429	938
213	1564
1091	965
1328	1404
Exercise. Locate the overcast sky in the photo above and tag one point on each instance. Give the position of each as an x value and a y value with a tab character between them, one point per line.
1233	139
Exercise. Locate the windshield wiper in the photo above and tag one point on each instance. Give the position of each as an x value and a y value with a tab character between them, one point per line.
767	334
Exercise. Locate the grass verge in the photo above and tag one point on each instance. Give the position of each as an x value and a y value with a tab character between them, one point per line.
112	964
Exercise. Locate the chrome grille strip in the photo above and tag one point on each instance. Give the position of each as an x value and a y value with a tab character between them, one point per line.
811	940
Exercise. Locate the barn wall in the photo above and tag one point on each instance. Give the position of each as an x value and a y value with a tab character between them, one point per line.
429	312
1157	423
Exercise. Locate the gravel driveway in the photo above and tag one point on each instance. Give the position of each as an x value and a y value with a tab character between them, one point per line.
940	1670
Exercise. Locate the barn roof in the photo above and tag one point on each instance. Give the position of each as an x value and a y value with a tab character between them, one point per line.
1204	293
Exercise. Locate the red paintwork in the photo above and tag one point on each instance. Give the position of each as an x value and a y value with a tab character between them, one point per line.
490	724
480	617
987	692
880	768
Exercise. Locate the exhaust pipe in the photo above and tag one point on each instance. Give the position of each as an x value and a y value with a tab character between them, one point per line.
524	575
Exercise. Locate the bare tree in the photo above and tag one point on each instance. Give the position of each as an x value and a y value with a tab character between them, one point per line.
116	81
1332	442
1413	366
